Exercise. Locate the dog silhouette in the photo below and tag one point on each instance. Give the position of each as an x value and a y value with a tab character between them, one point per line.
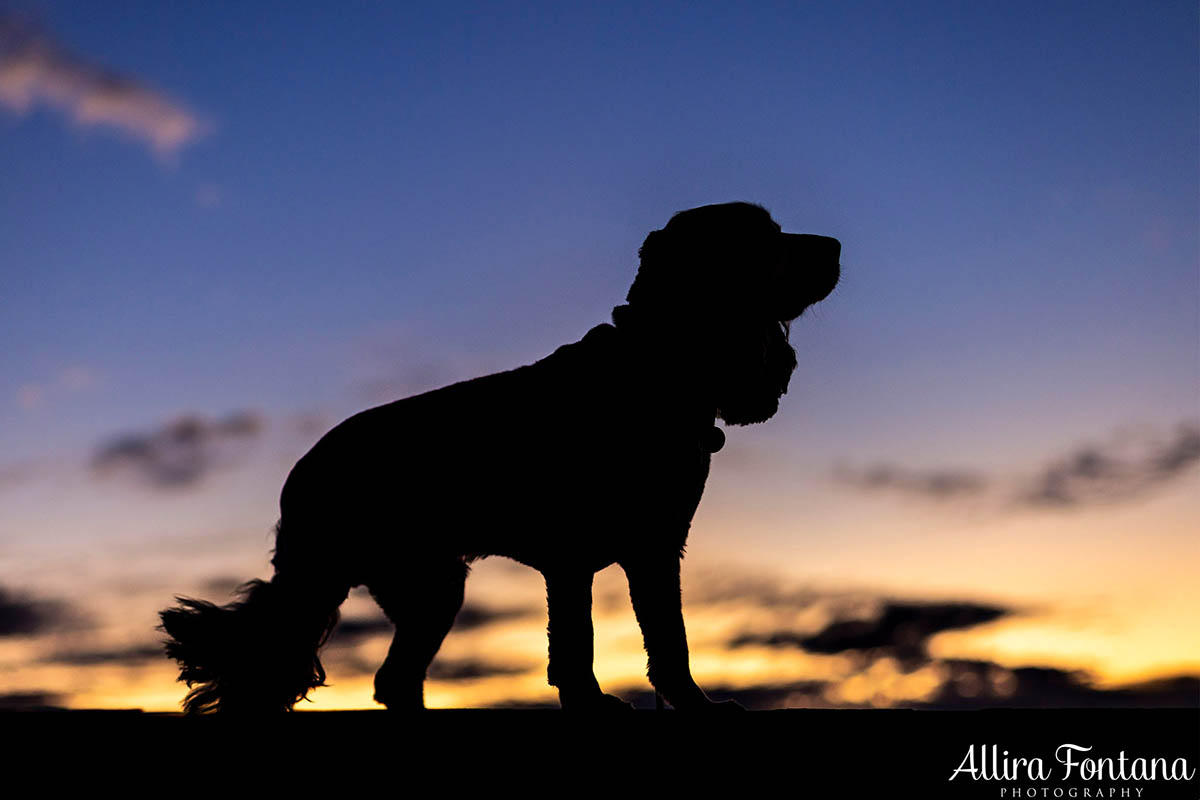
594	455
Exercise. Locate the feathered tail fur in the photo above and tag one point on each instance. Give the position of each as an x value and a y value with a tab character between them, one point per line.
255	655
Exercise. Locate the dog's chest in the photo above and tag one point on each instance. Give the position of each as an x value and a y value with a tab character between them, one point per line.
631	480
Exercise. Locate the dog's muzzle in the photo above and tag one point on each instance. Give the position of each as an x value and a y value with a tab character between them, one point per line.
811	270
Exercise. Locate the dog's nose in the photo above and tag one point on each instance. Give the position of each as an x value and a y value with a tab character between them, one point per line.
828	267
812	271
810	247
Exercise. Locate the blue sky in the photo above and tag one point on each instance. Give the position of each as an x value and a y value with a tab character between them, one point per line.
373	199
1014	185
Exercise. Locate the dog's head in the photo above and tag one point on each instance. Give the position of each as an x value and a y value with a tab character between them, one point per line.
736	281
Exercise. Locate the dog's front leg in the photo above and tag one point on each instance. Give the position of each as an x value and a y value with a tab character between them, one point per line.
569	600
657	602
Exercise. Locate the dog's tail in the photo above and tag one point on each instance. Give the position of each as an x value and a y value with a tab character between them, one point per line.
258	654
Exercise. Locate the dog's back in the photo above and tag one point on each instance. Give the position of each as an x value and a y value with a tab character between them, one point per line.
506	464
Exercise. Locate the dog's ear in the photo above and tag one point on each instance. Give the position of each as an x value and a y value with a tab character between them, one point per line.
696	273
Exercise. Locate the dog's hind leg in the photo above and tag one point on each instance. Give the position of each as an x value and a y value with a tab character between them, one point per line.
422	603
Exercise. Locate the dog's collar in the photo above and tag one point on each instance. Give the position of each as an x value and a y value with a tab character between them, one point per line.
712	440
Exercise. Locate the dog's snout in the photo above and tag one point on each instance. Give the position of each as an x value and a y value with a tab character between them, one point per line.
835	248
831	271
812	270
827	266
825	249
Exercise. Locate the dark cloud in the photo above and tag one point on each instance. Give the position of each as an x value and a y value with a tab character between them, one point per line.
1105	473
1123	469
759	591
982	684
180	453
773	639
353	630
934	484
30	701
36	70
473	616
902	629
22	616
343	662
1177	454
469	669
130	656
969	685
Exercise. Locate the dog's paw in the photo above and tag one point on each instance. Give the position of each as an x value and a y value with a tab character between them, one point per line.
698	701
723	705
593	702
610	702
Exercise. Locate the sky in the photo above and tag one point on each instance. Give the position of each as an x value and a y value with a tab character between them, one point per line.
232	225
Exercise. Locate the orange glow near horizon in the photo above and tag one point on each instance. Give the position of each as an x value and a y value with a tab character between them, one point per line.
1115	647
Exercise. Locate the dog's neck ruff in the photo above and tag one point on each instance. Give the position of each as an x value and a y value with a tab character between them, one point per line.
627	321
711	438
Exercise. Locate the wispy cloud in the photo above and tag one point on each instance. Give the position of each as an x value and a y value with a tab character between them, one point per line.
37	70
983	684
936	484
29	701
902	629
472	616
24	616
1121	469
448	670
180	453
1098	473
129	656
351	631
468	669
